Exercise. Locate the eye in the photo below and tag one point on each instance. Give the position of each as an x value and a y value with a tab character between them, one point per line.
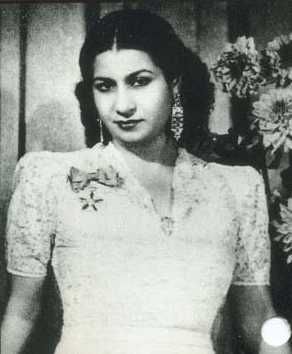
140	81
103	86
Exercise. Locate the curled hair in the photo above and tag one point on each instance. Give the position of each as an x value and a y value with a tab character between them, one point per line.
143	30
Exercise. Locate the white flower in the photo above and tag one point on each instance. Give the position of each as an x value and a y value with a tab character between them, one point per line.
273	118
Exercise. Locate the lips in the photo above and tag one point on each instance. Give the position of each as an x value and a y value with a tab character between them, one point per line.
128	124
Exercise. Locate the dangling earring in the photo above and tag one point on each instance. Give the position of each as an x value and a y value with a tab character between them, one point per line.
177	117
101	138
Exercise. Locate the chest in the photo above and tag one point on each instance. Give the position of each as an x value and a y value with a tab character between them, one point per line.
157	183
122	236
127	215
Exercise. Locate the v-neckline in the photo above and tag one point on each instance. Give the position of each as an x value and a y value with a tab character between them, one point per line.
183	197
135	185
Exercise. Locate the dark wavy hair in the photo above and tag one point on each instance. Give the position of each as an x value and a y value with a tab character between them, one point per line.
143	30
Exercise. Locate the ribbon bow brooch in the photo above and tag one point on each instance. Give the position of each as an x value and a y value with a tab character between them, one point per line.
80	182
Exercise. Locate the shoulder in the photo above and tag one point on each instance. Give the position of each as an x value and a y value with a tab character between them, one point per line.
50	160
235	176
239	178
246	185
45	165
36	161
241	183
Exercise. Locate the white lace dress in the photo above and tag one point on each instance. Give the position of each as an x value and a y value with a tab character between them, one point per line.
130	282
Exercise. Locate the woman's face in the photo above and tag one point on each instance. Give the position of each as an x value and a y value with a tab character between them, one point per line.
132	96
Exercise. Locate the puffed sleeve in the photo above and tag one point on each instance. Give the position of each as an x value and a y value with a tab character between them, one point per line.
252	248
31	220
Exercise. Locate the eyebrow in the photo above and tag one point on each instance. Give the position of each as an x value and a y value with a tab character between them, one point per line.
133	74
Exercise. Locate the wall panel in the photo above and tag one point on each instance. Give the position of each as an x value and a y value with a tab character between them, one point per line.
212	36
9	115
9	99
269	19
55	33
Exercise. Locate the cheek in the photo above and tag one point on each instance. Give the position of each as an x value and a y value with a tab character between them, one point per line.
158	100
102	105
163	107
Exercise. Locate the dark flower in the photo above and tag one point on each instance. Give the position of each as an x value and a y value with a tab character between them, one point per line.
277	61
238	68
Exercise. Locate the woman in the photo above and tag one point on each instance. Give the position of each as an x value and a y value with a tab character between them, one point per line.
145	239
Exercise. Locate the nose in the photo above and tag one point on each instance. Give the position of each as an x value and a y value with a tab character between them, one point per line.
125	104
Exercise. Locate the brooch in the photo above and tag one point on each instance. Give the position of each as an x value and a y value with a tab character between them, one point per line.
81	182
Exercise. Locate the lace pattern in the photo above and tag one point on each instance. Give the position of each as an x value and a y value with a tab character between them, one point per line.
31	218
115	266
252	247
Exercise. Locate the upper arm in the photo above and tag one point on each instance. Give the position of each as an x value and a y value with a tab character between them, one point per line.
30	221
252	248
249	294
250	302
250	306
25	297
21	313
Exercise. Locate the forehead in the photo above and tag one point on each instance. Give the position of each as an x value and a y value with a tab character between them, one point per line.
122	62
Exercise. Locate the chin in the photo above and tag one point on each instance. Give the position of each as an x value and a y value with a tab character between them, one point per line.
133	142
133	138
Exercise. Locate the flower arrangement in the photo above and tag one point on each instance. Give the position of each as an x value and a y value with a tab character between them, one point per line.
241	70
244	72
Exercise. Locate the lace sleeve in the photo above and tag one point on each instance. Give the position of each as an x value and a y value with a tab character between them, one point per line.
252	249
30	221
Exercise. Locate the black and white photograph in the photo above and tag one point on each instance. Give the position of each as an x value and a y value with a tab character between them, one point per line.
146	177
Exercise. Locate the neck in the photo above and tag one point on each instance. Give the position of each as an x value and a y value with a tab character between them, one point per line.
163	150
